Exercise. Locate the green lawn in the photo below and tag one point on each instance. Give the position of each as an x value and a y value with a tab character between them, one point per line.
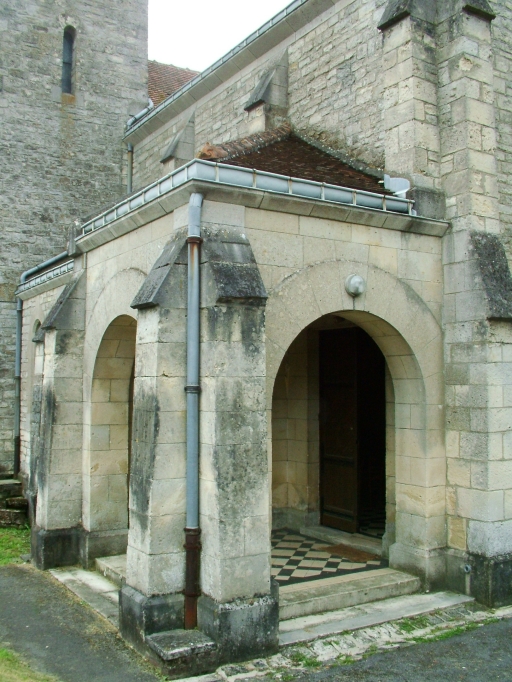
13	669
13	542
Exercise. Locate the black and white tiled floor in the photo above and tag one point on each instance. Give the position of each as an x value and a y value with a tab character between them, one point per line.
297	558
372	523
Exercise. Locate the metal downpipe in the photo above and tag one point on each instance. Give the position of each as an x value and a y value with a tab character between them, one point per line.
17	359
192	530
129	170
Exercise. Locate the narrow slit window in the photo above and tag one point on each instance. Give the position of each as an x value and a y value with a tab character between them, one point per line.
67	60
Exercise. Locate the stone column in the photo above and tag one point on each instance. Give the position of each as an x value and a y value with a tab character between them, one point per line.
152	600
238	609
477	313
410	112
58	447
467	121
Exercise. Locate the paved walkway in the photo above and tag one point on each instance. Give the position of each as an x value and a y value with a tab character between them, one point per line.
58	635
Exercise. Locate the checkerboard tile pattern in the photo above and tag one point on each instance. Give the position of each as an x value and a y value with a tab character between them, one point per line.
297	558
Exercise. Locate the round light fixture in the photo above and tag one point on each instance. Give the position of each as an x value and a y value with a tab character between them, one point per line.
355	285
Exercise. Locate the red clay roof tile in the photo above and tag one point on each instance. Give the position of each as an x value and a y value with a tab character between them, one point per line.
164	79
282	151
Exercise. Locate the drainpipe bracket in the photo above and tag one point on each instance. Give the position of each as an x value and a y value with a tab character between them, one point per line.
192	388
194	240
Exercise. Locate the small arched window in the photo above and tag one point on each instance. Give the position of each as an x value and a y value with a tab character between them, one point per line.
67	59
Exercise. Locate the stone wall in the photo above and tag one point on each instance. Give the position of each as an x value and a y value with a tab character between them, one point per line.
335	91
62	154
501	29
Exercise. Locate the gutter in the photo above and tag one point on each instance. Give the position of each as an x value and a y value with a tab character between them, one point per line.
17	362
248	178
192	388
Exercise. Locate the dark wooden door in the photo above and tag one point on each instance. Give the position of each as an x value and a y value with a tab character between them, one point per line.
352	428
338	429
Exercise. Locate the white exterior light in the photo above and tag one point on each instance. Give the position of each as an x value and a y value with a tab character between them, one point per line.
355	285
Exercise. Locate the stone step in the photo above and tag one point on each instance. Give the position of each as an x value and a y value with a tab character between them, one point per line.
182	652
329	594
13	517
9	487
310	628
16	503
113	568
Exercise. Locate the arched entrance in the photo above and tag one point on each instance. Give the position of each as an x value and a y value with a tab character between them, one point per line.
331	396
106	485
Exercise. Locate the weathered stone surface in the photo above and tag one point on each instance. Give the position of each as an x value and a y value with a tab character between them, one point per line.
495	273
62	152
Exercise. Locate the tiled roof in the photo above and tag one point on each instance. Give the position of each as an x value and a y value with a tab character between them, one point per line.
164	79
284	152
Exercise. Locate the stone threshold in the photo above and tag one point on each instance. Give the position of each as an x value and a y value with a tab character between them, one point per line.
331	536
100	589
98	592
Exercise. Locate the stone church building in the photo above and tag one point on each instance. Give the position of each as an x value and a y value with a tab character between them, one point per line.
285	303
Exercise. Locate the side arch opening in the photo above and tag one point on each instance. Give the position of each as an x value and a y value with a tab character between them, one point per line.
107	474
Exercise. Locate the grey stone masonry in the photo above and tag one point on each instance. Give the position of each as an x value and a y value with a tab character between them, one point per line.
335	92
502	50
62	154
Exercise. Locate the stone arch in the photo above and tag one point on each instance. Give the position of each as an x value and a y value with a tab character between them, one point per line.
410	338
109	361
110	429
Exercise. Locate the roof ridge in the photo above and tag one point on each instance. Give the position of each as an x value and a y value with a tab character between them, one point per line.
250	143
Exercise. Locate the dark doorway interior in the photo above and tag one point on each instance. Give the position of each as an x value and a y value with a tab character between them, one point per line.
352	432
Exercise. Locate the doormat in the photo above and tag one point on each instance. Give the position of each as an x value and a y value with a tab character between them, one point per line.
297	558
350	553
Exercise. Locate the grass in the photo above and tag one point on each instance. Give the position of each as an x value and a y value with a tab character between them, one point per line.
345	660
439	634
13	669
300	658
408	625
13	542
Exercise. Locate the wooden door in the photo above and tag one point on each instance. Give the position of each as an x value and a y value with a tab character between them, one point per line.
352	429
338	429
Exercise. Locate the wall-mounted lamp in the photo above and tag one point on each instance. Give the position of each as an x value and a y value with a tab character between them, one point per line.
355	285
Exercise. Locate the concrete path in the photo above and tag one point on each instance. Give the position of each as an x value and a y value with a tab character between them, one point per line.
58	635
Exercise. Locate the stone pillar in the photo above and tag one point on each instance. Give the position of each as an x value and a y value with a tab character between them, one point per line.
151	601
478	355
410	113
237	609
467	121
58	447
477	314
